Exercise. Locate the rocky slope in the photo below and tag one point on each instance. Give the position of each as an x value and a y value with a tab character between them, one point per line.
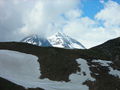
97	68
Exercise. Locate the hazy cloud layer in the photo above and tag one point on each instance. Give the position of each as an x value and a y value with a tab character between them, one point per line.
11	15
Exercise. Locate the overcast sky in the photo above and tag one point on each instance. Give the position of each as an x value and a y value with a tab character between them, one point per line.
91	22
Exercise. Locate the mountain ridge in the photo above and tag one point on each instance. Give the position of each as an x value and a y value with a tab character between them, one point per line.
57	40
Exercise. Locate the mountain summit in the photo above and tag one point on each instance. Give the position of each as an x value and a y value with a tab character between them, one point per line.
57	40
64	41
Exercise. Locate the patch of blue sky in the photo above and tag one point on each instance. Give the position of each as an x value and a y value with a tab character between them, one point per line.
91	7
118	1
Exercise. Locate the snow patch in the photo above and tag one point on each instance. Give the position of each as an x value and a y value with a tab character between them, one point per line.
103	62
24	69
85	73
74	45
18	65
115	73
106	63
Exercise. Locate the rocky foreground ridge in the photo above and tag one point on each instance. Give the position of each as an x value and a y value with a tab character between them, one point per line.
102	65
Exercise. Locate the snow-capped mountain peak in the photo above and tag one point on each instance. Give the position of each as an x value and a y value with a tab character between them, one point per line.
59	39
62	40
32	39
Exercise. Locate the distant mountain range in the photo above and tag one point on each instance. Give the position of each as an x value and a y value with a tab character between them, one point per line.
57	40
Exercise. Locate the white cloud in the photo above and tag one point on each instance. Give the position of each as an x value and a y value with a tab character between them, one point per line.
93	32
1	3
11	15
102	1
44	13
110	15
73	14
22	17
84	30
